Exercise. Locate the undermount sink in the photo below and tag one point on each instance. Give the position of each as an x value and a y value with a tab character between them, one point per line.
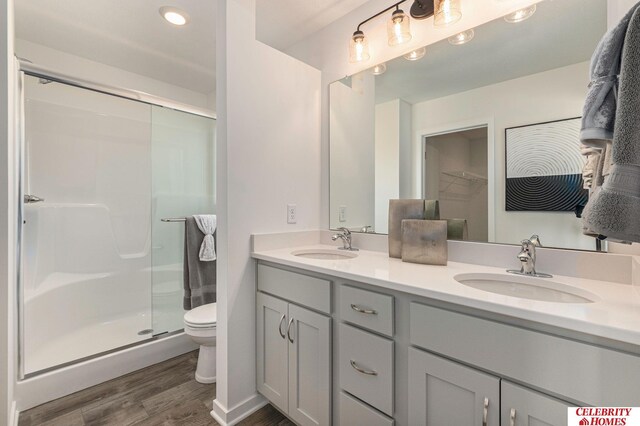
527	288
324	254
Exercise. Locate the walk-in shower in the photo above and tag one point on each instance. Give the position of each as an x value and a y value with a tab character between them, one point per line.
100	270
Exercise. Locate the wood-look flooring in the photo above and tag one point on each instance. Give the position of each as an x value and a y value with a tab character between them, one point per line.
162	394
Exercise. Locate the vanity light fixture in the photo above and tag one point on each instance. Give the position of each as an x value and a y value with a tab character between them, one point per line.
446	12
398	28
520	15
174	15
462	38
379	69
414	55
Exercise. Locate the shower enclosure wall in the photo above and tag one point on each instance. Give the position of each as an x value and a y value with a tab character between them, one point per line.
100	270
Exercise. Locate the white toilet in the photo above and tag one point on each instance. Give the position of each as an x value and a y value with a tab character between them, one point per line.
200	324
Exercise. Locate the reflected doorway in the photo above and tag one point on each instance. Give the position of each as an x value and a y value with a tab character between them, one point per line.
455	172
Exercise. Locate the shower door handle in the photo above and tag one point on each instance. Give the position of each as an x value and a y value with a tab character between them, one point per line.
30	199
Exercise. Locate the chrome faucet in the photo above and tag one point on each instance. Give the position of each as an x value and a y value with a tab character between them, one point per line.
527	258
345	236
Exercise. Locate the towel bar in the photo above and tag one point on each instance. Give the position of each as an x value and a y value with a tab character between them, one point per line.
173	219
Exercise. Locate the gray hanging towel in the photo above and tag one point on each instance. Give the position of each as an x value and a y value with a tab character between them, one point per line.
599	114
199	276
614	209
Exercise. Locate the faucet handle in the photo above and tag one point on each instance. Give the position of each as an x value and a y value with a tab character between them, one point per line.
345	231
535	240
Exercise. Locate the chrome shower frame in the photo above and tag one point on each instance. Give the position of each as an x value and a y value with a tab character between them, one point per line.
24	67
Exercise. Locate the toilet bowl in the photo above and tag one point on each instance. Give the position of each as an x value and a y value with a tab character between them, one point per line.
200	325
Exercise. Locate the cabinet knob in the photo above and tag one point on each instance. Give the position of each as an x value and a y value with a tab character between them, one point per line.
280	326
362	370
289	330
512	417
485	412
362	310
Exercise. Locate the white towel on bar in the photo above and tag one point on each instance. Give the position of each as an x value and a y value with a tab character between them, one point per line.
207	224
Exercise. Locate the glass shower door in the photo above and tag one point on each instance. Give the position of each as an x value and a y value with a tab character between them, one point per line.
86	282
183	163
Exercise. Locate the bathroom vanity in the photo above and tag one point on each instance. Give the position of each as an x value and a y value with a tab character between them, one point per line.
369	340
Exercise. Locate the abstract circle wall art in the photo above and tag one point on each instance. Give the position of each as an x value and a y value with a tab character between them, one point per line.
544	167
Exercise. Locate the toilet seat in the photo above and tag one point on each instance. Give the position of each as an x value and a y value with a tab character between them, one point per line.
204	316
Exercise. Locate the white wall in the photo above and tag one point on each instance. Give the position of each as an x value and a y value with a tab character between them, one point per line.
76	66
7	215
268	155
547	96
387	162
392	158
352	156
616	9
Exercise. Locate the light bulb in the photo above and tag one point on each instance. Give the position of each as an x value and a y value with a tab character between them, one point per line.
358	48
173	15
379	69
398	28
446	12
520	15
462	38
414	55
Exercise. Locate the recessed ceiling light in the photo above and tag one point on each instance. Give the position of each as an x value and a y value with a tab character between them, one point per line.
462	38
520	15
379	69
414	55
174	15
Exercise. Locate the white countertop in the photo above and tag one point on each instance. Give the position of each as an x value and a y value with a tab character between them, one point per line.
615	315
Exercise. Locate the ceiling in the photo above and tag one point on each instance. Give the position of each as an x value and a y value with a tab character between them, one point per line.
560	33
283	23
128	34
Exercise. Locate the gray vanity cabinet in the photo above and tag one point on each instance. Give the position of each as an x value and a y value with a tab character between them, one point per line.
273	350
294	359
309	367
445	393
524	407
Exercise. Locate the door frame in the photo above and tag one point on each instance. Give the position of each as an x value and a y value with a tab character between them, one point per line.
420	142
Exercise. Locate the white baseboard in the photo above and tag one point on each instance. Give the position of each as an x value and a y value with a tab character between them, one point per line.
67	380
238	413
14	414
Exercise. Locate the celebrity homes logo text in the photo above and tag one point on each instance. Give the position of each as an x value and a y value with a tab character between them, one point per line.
603	416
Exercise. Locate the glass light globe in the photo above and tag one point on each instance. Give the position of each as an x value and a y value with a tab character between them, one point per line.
446	12
358	48
398	28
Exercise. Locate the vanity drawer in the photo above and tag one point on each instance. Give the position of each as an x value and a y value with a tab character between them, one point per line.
355	413
589	374
307	291
366	367
367	309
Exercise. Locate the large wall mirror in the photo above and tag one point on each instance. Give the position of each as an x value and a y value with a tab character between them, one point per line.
490	128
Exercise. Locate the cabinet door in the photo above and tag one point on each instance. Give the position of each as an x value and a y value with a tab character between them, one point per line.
272	350
445	393
309	367
524	407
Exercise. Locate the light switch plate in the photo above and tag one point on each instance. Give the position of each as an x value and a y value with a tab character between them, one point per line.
342	213
292	216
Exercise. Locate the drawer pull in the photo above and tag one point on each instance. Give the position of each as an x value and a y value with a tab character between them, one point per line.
485	412
289	330
362	370
280	326
363	311
512	418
